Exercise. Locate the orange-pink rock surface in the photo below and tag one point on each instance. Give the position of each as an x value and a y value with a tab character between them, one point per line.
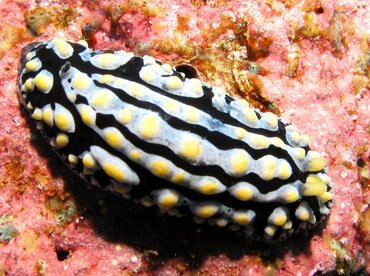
307	60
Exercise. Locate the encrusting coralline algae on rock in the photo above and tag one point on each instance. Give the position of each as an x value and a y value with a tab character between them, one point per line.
304	61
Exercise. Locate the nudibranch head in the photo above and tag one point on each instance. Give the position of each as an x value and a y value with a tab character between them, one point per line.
138	127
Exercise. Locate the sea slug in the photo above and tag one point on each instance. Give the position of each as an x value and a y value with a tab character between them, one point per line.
138	127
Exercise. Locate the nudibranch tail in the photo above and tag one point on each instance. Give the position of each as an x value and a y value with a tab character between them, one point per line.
138	127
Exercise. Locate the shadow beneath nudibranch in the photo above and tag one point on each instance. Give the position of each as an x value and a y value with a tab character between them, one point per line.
158	236
161	237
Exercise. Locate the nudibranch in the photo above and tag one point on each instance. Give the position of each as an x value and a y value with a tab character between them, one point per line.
136	126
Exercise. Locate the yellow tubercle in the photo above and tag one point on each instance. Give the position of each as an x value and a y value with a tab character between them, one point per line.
37	114
239	163
107	78
192	114
71	95
48	116
270	230
106	60
167	200
33	65
72	159
299	153
171	105
326	196
315	162
250	116
61	140
43	82
136	90
29	85
206	211
240	133
30	55
148	60
149	126
173	83
89	161
147	74
284	170
221	222
259	141
291	195
87	114
101	98
208	187
62	121
81	81
268	168
313	186
313	179
271	119
241	218
190	148
29	106
64	49
244	103
243	193
114	171
196	85
166	67
295	137
277	142
314	189
160	168
302	214
279	219
135	155
113	137
178	177
124	116
288	225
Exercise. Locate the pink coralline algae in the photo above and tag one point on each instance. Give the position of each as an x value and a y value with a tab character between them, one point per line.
305	61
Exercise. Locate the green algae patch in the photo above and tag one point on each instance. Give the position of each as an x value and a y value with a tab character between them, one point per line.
64	210
7	229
